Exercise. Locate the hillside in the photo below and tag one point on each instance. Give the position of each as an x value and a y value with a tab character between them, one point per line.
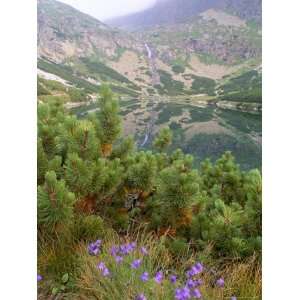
86	52
83	50
181	10
65	32
200	76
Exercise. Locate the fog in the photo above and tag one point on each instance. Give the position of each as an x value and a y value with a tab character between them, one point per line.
106	9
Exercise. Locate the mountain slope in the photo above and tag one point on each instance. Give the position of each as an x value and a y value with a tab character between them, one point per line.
174	11
65	32
186	57
78	47
214	36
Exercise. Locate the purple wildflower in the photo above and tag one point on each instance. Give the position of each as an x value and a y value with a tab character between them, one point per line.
39	277
118	259
196	269
141	297
191	283
94	251
159	276
173	279
101	266
220	282
114	250
145	276
132	245
136	264
198	282
182	294
125	249
196	293
233	298
98	243
94	248
199	267
144	251
105	272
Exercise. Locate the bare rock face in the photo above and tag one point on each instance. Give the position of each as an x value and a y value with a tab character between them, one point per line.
64	32
226	51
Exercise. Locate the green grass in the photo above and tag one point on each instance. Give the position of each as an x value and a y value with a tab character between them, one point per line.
53	88
66	73
52	85
105	73
42	90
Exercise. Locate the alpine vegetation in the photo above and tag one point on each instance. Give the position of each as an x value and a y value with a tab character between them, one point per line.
115	222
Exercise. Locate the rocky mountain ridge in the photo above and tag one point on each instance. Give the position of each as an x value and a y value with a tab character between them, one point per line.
167	12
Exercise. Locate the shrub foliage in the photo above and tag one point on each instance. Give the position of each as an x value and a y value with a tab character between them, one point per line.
90	178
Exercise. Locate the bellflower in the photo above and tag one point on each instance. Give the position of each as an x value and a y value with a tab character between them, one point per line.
182	294
136	264
144	251
191	283
39	277
105	272
94	248
196	293
125	249
198	282
220	282
196	269
114	250
132	246
173	279
141	297
101	266
159	276
145	276
199	267
118	259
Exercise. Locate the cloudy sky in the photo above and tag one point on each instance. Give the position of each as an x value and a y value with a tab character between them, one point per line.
105	9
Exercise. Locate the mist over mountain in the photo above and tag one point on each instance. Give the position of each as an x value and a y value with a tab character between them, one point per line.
174	11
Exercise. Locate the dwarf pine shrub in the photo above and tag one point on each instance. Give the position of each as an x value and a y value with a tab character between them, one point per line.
91	179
